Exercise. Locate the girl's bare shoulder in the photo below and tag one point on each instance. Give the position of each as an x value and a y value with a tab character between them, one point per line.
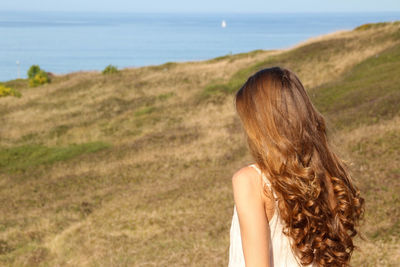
246	176
248	182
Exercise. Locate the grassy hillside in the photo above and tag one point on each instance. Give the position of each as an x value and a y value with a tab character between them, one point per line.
134	168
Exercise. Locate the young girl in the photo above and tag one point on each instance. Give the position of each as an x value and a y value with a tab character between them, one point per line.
296	205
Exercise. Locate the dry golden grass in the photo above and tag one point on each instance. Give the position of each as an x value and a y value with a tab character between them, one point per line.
160	193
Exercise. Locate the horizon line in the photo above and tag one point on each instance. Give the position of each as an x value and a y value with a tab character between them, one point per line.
203	12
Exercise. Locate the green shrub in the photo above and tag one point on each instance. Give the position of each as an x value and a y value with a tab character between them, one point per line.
37	76
8	91
40	78
110	69
33	70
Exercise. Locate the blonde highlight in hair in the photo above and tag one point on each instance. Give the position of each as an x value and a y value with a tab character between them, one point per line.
318	202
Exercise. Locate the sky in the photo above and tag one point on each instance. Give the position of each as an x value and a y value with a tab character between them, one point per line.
202	6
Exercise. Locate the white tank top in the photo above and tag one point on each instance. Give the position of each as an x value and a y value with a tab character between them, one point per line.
280	251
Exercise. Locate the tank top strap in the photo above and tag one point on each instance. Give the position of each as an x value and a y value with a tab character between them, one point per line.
266	181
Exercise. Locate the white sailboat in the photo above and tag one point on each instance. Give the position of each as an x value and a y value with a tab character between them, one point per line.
223	24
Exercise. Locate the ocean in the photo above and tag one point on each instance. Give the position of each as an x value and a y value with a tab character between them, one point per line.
62	42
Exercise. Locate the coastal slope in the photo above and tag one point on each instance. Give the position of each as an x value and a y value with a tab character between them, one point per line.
134	168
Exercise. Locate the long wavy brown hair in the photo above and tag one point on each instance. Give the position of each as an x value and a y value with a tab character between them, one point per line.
318	202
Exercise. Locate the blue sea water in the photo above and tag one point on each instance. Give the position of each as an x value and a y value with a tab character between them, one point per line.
62	42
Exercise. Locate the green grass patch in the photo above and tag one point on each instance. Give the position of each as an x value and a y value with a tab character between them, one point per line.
165	66
22	158
368	26
165	96
233	57
144	111
366	94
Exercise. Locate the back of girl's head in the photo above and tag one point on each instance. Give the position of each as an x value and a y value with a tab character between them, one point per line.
287	138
